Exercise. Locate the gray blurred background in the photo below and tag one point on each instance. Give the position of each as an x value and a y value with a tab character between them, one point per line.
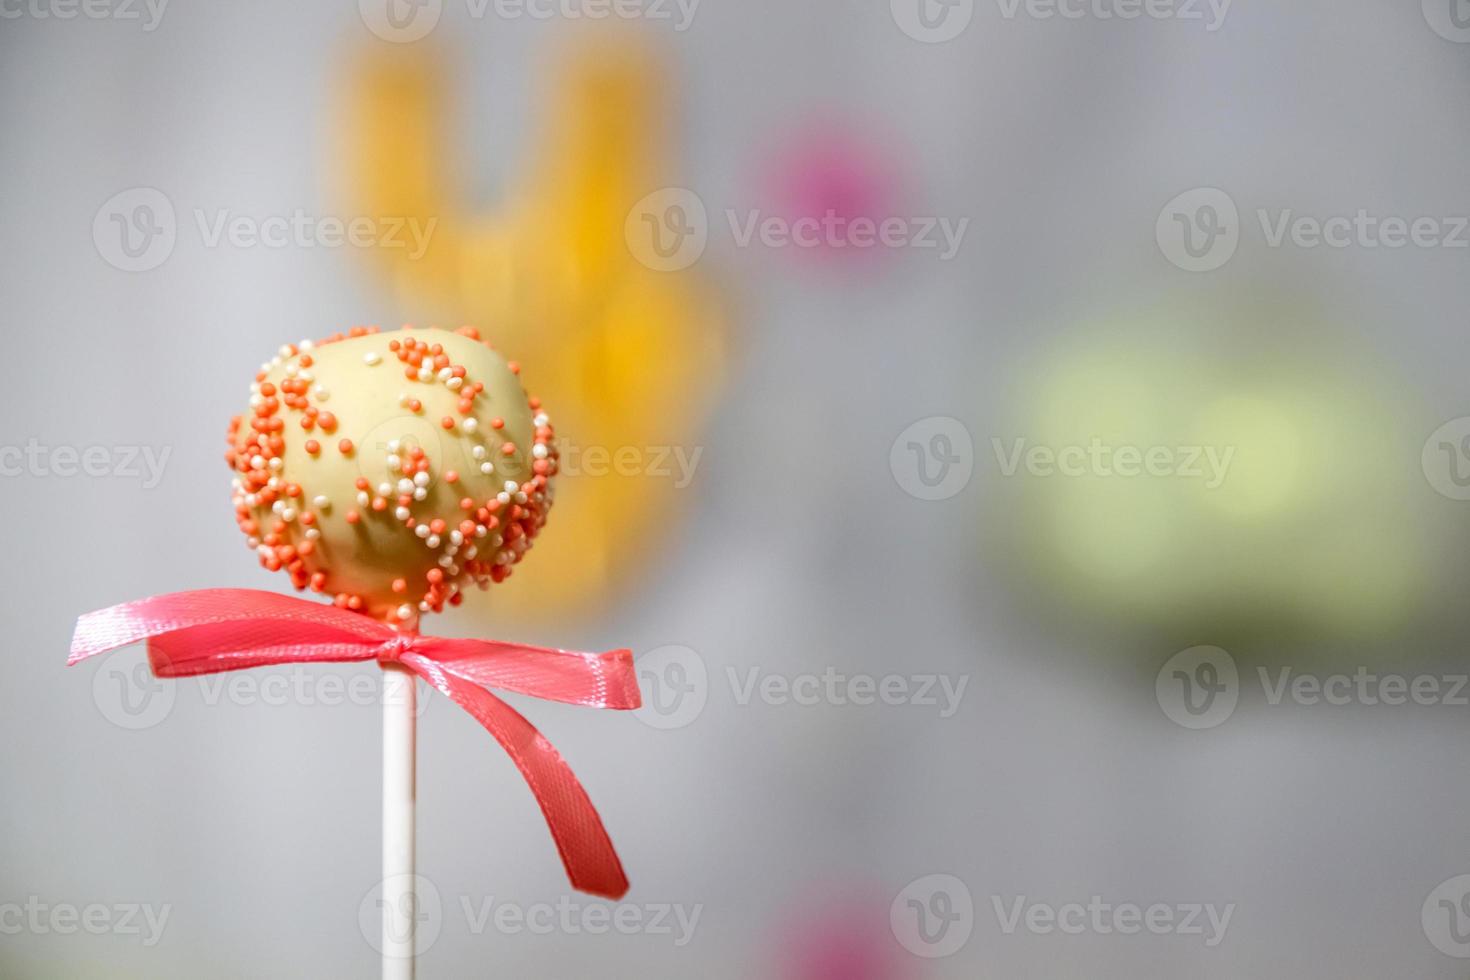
851	513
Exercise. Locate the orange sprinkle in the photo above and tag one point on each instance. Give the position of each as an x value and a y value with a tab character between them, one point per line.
312	446
345	447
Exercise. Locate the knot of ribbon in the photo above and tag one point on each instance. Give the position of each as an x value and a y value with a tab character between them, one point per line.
210	631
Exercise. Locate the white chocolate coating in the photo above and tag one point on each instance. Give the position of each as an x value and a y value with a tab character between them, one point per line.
389	470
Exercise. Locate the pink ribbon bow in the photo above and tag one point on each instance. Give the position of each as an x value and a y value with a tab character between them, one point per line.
209	631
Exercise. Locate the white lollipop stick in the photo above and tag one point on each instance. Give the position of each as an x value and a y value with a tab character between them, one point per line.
400	903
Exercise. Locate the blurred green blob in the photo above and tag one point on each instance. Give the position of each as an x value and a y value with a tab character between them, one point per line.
1243	466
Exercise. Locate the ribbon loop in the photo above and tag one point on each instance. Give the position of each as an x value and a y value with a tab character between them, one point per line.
210	631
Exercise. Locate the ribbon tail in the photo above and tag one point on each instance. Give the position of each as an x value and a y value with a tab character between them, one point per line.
585	848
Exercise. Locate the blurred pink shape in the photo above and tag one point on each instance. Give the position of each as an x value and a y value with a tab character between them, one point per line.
834	172
845	939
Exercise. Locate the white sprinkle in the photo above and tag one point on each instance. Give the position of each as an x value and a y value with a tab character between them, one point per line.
257	462
454	384
321	501
426	373
405	611
478	452
539	450
540	420
456	538
385	489
401	513
421	479
445	374
372	358
432	540
321	393
306	375
306	344
393	445
285	350
405	485
445	561
470	424
503	497
486	468
288	515
312	534
481	530
511	486
363	498
276	463
422	530
420	493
